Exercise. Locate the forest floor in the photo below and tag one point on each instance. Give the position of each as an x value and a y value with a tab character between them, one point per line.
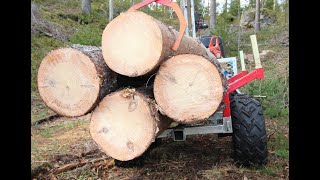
63	142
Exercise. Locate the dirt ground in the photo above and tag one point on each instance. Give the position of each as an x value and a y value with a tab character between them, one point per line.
63	149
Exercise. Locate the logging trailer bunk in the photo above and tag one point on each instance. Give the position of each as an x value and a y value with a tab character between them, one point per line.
241	116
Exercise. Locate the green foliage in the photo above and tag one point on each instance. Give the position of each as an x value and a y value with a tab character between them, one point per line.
268	4
269	171
280	145
48	132
87	35
283	153
234	6
229	39
252	3
122	6
276	102
225	6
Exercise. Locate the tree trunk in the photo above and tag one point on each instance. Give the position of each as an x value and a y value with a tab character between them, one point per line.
212	14
189	14
110	10
71	81
125	123
135	44
181	5
262	4
188	88
257	17
86	6
225	6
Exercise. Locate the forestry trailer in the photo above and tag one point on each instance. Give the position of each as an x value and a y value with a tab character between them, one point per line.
241	116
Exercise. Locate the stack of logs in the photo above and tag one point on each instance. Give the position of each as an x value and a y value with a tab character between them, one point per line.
135	85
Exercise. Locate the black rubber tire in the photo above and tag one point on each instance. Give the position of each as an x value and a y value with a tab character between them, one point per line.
138	161
249	132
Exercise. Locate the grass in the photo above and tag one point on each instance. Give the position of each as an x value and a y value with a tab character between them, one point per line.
39	110
269	171
87	35
283	153
280	145
50	131
82	173
276	102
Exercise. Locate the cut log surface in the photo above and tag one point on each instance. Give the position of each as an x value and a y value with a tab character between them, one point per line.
124	124
188	88
135	44
71	81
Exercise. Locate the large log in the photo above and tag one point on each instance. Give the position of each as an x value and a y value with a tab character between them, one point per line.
71	81
125	123
135	44
188	88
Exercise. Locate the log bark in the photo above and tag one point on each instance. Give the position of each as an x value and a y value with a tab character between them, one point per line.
71	81
188	88
125	123
135	44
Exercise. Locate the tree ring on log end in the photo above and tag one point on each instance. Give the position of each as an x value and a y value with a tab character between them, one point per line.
132	44
130	131
188	88
68	82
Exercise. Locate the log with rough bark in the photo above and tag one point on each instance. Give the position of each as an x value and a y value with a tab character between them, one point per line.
71	81
125	123
188	88
135	44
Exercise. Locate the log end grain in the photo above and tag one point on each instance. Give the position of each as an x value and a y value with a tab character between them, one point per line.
123	124
188	88
68	82
132	44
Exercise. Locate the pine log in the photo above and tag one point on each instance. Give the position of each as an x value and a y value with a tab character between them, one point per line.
188	88
125	123
72	80
135	44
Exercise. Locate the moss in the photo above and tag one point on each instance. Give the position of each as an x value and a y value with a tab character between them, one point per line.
87	35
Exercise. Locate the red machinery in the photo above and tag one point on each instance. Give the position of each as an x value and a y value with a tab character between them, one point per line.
214	47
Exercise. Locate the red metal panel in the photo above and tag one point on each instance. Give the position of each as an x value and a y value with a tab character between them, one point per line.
226	110
256	74
232	79
238	82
